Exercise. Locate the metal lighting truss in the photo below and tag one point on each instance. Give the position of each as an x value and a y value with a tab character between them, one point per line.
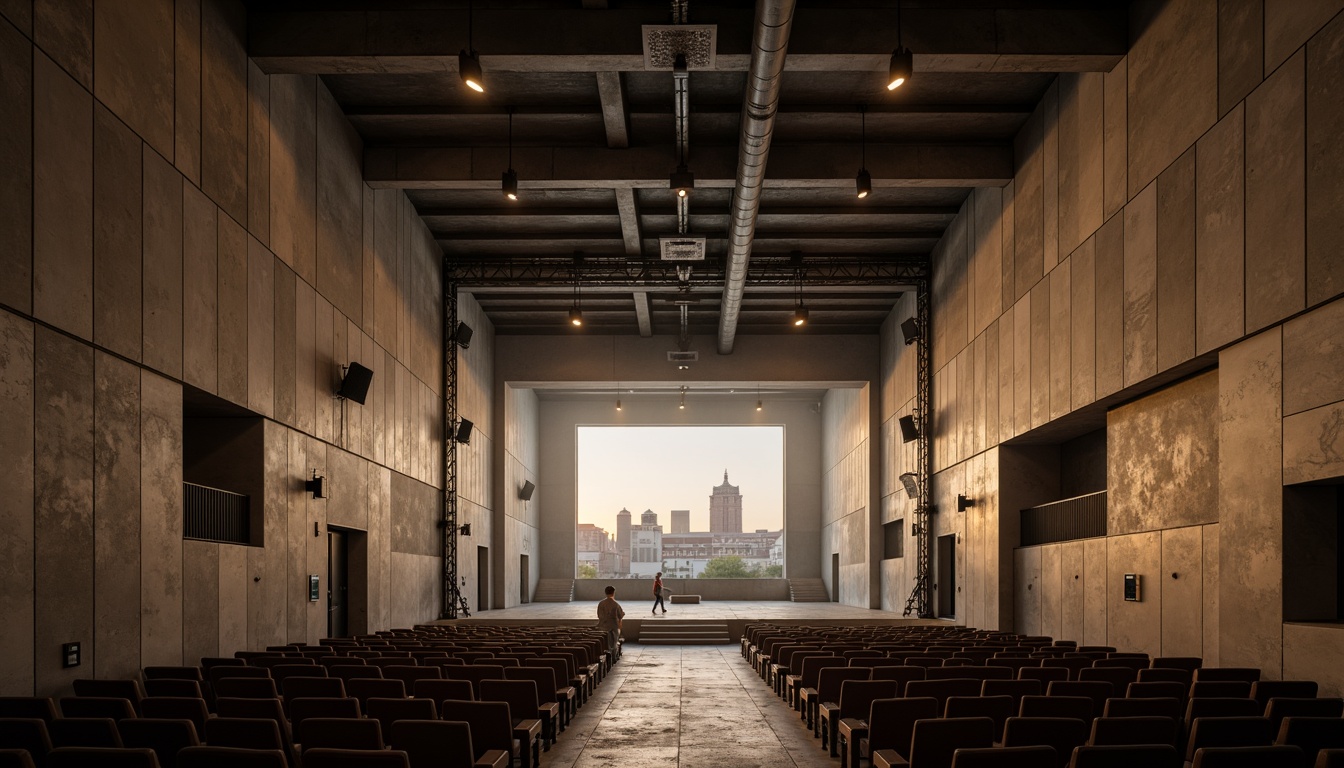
920	601
451	596
560	271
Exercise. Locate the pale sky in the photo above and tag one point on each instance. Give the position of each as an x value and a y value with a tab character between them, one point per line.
667	468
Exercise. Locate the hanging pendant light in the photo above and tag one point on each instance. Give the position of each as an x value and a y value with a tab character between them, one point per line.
800	312
576	311
468	63
902	61
510	181
863	183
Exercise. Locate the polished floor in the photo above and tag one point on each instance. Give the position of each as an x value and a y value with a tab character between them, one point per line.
685	707
637	607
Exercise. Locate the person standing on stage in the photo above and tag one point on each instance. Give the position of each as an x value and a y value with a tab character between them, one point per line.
658	593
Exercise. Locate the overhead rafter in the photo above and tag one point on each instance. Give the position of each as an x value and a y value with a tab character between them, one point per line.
1091	39
614	115
642	313
831	270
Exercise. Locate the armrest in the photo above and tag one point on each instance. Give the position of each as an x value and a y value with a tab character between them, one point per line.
807	693
493	758
531	728
852	725
827	708
567	692
549	707
886	758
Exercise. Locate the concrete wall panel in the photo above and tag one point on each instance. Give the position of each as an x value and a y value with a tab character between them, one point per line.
305	358
64	30
260	328
224	106
1061	339
1073	604
294	172
1007	374
201	602
1325	163
1028	203
1008	230
200	292
1313	445
1096	628
1083	321
258	153
1210	596
1173	84
1115	139
134	62
1140	286
160	521
1250	500
116	235
339	208
186	153
1314	652
16	514
986	298
1241	44
1110	304
1027	580
1288	26
234	579
62	200
16	166
1022	343
116	504
1135	626
63	552
1176	262
1181	582
162	259
284	350
1051	587
1276	197
1050	175
233	320
1219	234
326	370
1313	366
1081	163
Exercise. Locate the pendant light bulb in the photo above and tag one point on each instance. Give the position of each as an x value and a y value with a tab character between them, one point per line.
902	65
863	184
758	405
800	317
469	69
618	403
510	184
575	316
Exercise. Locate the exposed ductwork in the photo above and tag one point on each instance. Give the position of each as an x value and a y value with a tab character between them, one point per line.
774	19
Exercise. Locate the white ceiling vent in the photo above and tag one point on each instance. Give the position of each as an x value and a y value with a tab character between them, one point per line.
683	357
681	248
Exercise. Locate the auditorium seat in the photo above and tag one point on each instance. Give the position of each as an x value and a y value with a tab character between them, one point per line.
847	723
40	707
27	733
1140	729
935	741
1279	708
1004	757
1248	757
1228	732
355	758
389	711
441	744
1061	733
1311	734
166	736
101	757
175	707
230	757
337	733
1127	756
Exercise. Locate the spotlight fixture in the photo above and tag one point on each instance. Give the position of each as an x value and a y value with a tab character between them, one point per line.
317	486
682	180
964	502
758	405
510	181
863	183
910	330
800	316
576	311
575	316
682	406
911	482
463	335
618	403
468	63
799	312
902	61
465	530
909	430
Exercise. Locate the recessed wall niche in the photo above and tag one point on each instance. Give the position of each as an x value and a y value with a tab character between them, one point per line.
223	448
1313	540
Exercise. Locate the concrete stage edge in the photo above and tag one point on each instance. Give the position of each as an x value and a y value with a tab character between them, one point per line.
736	614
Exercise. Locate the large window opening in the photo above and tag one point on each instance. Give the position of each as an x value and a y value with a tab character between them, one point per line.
689	502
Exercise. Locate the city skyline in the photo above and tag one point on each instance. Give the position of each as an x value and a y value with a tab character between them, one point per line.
667	468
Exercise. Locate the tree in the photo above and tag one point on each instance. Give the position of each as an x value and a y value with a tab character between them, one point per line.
726	567
773	572
587	571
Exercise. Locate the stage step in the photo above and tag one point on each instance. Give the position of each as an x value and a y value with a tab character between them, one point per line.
808	591
554	591
656	631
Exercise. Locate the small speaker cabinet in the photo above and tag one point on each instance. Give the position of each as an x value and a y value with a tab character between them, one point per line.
1133	587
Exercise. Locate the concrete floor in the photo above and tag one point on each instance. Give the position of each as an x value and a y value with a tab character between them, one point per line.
685	707
637	607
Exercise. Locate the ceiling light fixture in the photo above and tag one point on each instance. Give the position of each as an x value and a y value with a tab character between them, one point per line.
468	63
902	61
682	181
618	403
758	397
511	176
800	313
576	311
863	183
682	407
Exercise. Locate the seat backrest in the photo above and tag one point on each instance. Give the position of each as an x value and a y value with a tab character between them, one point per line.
281	672
96	706
1219	707
830	679
433	743
901	675
230	757
935	740
365	688
1166	675
355	758
101	757
1126	756
113	689
173	673
438	690
41	707
84	732
1228	732
1330	758
408	674
1279	708
491	723
1118	677
1311	734
310	687
389	711
172	687
1138	729
1014	688
229	671
246	688
1079	707
338	733
244	733
1045	674
996	708
1243	674
943	689
166	736
813	665
302	709
1221	689
1249	757
1264	690
856	696
1096	690
1151	689
543	677
352	671
1004	757
1188	663
1061	733
474	673
1154	707
192	709
521	695
26	733
892	721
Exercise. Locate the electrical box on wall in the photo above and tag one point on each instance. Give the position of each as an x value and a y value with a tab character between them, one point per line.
1133	587
69	655
313	585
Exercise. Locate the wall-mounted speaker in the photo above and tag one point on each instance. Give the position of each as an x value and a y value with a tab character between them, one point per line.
909	432
910	330
464	432
526	493
355	383
463	335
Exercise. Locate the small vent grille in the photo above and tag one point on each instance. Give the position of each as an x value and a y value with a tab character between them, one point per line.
1081	517
683	357
210	514
681	248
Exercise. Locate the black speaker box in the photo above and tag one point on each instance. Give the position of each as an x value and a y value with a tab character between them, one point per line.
355	385
464	432
526	493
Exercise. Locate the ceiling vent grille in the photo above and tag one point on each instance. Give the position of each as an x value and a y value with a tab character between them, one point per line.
683	357
681	248
662	43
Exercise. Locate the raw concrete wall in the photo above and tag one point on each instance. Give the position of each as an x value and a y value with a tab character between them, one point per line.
1176	213
849	527
477	460
171	216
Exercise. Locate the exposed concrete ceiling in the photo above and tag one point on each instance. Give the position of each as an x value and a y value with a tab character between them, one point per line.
594	142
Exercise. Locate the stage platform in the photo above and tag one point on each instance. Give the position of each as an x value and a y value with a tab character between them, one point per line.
734	614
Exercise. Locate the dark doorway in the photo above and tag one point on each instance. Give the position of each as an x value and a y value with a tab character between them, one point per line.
482	579
947	576
835	577
523	580
338	584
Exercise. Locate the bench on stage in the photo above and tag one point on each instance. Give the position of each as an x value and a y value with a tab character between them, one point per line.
684	599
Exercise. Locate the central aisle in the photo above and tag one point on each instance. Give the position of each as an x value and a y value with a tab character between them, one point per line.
685	707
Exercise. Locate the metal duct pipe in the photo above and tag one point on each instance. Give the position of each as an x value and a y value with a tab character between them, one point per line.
774	19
